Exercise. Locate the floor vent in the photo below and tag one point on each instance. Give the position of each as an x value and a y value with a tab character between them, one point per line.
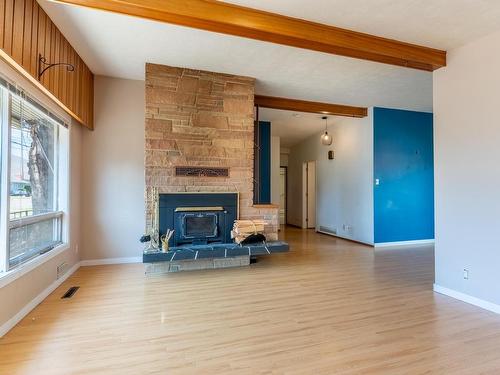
71	292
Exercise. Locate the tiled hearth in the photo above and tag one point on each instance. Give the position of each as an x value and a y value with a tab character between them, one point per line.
187	258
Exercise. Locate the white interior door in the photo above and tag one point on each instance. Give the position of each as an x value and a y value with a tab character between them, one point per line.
304	195
282	196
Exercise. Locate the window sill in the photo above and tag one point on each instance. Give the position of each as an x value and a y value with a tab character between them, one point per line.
7	277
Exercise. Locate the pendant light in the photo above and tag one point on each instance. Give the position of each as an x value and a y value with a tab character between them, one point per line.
326	139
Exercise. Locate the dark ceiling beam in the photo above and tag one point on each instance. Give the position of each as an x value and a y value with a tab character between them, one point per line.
251	23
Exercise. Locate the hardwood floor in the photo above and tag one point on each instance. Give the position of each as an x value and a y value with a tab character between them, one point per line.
327	307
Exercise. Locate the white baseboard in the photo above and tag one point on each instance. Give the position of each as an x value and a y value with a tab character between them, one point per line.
100	262
7	326
404	243
490	306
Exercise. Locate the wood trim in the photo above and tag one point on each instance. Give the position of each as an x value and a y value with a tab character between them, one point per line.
311	107
270	27
266	205
27	32
8	25
8	59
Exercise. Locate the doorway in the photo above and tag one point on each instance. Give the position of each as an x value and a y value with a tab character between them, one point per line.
283	196
309	194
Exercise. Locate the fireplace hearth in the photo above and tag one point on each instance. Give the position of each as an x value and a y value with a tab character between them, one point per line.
198	218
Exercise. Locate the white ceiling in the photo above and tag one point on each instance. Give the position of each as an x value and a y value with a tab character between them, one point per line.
119	46
442	24
293	127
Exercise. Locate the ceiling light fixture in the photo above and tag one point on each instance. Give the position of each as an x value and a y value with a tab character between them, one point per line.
326	139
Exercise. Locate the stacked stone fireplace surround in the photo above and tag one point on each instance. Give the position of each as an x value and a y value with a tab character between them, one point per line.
196	118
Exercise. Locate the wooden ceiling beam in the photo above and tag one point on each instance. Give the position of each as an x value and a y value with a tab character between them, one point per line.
251	23
312	107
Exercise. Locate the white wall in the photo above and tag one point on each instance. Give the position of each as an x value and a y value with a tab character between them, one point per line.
284	153
467	172
275	170
113	172
344	185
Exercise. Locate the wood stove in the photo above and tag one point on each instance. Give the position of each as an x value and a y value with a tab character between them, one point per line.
198	218
199	225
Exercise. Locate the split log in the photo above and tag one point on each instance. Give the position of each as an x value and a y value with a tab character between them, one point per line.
244	228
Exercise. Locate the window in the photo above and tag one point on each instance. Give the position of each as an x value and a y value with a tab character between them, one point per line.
34	178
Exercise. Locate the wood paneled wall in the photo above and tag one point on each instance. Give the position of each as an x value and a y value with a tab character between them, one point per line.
26	32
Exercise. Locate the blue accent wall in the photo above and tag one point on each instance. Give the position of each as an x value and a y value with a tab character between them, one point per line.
404	166
265	161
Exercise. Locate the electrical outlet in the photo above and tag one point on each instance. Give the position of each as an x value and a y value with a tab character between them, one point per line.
77	250
466	274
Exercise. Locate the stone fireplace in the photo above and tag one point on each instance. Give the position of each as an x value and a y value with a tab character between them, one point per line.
199	138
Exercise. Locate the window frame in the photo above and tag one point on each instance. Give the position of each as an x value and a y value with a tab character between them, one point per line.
4	178
62	181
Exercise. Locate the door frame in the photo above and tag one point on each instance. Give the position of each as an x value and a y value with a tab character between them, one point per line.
286	193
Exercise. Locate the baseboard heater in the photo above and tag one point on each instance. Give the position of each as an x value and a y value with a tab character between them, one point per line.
327	230
333	232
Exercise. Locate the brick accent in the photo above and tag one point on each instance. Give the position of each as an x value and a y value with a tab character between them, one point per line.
199	118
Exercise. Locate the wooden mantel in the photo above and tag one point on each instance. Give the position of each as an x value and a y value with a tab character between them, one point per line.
26	33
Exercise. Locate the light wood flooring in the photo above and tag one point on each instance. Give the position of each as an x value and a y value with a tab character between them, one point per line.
327	307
